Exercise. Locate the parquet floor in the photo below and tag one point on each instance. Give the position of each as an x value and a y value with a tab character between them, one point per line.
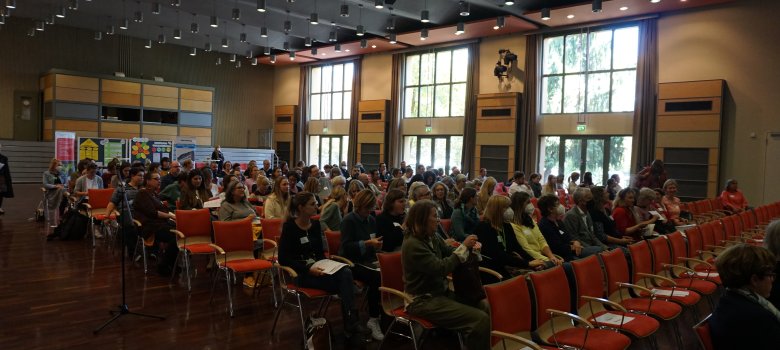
54	294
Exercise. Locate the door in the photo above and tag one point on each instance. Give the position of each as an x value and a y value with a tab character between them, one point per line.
585	154
26	116
772	167
600	155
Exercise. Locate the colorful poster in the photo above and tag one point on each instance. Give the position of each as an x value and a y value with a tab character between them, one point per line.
102	150
65	151
185	148
142	149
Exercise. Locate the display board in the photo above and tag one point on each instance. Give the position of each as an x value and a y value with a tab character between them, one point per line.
142	149
185	148
65	151
102	150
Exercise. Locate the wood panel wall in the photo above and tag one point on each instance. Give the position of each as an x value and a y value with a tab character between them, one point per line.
285	118
372	130
692	128
497	125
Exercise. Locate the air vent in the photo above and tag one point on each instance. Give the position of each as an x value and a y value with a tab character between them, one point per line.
371	116
688	106
283	119
497	112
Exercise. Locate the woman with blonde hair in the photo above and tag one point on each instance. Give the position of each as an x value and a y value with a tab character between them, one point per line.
485	191
276	204
440	197
334	210
312	185
352	191
499	243
549	186
671	203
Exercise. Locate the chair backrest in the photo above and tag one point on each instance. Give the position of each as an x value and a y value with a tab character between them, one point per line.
272	228
616	266
233	236
677	243
259	209
588	278
728	227
694	241
708	233
334	241
703	206
534	202
748	221
194	222
391	272
704	334
446	224
537	214
641	262
510	306
716	203
551	291
661	254
99	198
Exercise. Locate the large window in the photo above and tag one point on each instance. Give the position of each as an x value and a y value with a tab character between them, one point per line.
327	149
442	152
600	155
331	91
435	84
593	72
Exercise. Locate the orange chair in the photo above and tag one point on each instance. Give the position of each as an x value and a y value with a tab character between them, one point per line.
446	225
234	242
193	233
96	208
393	299
703	269
589	291
682	276
272	228
510	312
556	325
703	333
286	277
260	211
622	292
333	239
144	243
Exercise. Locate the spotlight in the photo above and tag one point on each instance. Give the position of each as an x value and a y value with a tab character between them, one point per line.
194	28
464	8
508	3
225	42
596	7
314	18
344	11
253	61
11	4
214	22
263	32
40	26
60	12
655	1
238	64
460	29
546	14
424	34
207	47
138	17
307	41
391	38
72	5
273	58
260	5
292	56
161	39
242	37
193	51
232	57
332	36
148	44
267	50
287	26
236	14
500	22
363	43
313	50
360	30
156	8
176	3
425	16
177	33
98	35
379	4
338	47
219	61
124	24
110	29
286	46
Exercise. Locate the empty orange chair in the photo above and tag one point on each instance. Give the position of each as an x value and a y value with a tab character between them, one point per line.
555	323
234	242
704	334
193	233
682	276
589	292
510	312
272	228
703	269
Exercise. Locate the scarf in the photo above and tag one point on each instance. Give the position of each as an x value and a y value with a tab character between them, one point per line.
752	296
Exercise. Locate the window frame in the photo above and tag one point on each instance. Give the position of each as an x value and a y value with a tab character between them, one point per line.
600	179
586	72
346	109
448	148
419	86
343	152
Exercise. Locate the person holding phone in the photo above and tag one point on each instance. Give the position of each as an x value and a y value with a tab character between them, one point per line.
359	244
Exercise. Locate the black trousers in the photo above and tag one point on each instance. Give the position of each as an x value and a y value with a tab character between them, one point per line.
372	279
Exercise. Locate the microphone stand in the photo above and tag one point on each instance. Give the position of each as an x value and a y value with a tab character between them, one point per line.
123	309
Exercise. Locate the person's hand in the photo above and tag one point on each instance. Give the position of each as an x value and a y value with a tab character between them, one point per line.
576	246
627	240
536	264
449	241
172	216
556	261
375	242
470	241
59	187
316	271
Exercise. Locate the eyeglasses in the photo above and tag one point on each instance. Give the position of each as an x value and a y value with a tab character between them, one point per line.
771	275
155	178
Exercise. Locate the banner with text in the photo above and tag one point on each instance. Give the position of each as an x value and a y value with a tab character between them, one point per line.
102	150
65	151
142	149
185	148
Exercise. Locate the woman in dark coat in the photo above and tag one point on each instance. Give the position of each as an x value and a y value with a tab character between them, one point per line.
6	186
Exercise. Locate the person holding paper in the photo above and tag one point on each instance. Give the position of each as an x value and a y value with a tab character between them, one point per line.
359	244
300	247
427	261
626	221
671	203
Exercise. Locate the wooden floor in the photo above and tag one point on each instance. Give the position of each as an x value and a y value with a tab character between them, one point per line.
54	294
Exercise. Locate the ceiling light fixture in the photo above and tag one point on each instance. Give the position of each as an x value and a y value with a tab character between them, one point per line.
373	46
40	26
500	23
72	5
260	5
338	47
391	38
236	12
148	44
11	4
546	14
207	47
175	3
379	4
273	58
156	8
314	18
263	32
286	46
139	15
508	3
313	50
242	37
360	30
232	57
60	12
655	1
219	61
225	42
214	23
570	16
425	16
124	24
424	34
464	8
194	26
292	56
31	32
344	11
596	7
253	61
307	41
110	29
49	20
332	36
363	43
624	8
177	34
460	28
193	51
267	50
161	37
238	64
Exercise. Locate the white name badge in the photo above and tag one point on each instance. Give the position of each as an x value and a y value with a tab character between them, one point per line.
396	224
304	240
561	231
527	231
500	239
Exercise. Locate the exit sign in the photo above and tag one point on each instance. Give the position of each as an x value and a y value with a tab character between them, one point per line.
428	129
580	127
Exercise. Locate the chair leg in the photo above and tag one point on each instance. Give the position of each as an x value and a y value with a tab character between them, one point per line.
276	317
300	313
187	264
229	294
175	263
92	230
411	333
213	283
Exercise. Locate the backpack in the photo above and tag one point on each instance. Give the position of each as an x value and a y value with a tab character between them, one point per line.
74	225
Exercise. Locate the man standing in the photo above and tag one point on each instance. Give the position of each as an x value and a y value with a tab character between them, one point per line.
218	156
343	167
482	174
173	174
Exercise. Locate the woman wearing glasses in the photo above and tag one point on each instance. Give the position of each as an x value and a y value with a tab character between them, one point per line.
235	206
156	221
